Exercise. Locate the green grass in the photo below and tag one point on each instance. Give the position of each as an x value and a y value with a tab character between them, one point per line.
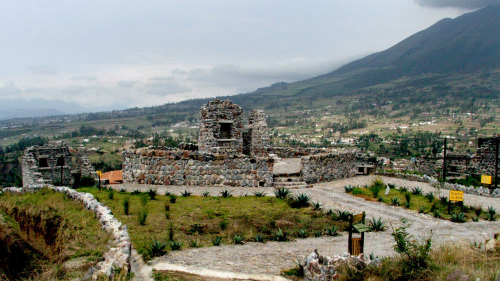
78	234
205	218
419	203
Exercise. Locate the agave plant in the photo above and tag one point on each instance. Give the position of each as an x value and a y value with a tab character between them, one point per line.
259	194
443	199
342	215
437	214
157	248
348	188
237	239
186	193
332	231
280	236
282	192
430	197
403	189
152	194
302	233
421	210
175	245
392	186
300	201
395	201
206	194
216	241
491	214
225	193
259	238
417	191
316	206
376	224
458	217
194	244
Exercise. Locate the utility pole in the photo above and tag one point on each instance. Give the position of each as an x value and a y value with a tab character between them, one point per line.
444	160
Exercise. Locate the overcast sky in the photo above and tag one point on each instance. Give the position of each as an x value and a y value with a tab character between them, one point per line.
117	54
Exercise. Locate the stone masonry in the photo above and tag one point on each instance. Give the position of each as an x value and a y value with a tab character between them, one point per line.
47	164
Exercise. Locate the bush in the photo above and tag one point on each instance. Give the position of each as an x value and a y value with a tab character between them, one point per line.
206	194
136	192
141	217
348	189
111	194
403	189
87	181
173	199
430	197
478	210
380	199
167	207
392	186
421	209
317	233
144	200
443	199
196	228
282	192
458	217
194	244
186	193
316	206
415	256
300	201
259	238
152	194
376	224
223	225
343	215
280	236
437	214
157	248
126	205
417	191
332	231
216	241
175	245
238	239
491	214
376	186
225	193
171	232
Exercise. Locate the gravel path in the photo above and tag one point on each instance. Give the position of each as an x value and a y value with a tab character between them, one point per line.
271	257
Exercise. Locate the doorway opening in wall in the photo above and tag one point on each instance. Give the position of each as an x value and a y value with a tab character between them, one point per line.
60	161
43	162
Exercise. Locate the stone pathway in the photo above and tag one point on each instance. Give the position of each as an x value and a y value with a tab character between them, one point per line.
271	257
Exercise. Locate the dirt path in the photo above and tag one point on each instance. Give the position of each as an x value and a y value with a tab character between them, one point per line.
271	257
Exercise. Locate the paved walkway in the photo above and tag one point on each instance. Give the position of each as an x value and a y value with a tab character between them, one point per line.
271	257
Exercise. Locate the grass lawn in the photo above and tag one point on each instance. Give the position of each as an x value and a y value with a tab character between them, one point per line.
423	203
58	229
197	221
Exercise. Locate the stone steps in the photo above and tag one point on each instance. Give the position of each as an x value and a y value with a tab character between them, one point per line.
290	181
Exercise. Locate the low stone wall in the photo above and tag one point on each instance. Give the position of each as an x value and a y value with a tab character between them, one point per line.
294	152
182	167
449	186
322	268
118	256
329	166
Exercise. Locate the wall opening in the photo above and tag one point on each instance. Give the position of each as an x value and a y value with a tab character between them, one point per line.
60	161
43	162
225	130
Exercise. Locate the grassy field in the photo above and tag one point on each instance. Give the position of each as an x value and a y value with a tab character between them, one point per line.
197	221
67	236
415	199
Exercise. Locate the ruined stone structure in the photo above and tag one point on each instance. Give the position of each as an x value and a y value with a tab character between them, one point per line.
256	140
52	164
47	164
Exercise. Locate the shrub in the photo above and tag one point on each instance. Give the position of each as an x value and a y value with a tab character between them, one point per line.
417	191
216	241
280	236
141	217
173	199
380	199
87	181
111	194
437	214
136	192
237	239
475	219
196	228
157	248
126	205
421	209
122	190
302	233
434	206
458	217
376	224
167	215
392	186
167	207
332	231
225	193
317	233
395	201
376	186
175	245
329	212
408	197
443	199
300	201
259	238
259	194
491	213
206	193
171	232
348	189
403	189
282	192
186	193
152	194
223	225
478	210
415	256
430	197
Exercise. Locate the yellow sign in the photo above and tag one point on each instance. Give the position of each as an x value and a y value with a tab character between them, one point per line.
99	174
357	218
485	179
456	195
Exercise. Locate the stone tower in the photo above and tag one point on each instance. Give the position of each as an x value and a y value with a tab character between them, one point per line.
221	128
258	134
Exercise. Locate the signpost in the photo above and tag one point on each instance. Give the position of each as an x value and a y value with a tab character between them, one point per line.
357	222
485	179
456	196
99	174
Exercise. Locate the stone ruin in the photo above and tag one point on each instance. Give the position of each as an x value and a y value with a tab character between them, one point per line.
231	152
53	164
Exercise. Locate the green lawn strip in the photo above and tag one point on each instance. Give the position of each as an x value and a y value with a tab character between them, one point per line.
78	232
202	219
416	202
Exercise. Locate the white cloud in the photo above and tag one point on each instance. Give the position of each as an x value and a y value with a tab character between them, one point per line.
463	4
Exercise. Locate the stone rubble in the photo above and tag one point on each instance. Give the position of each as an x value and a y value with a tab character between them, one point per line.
323	268
118	256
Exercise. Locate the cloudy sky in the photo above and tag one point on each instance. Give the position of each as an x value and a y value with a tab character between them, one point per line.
83	55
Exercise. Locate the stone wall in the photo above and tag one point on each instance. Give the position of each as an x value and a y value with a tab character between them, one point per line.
258	134
47	164
118	255
182	167
294	152
83	163
329	166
